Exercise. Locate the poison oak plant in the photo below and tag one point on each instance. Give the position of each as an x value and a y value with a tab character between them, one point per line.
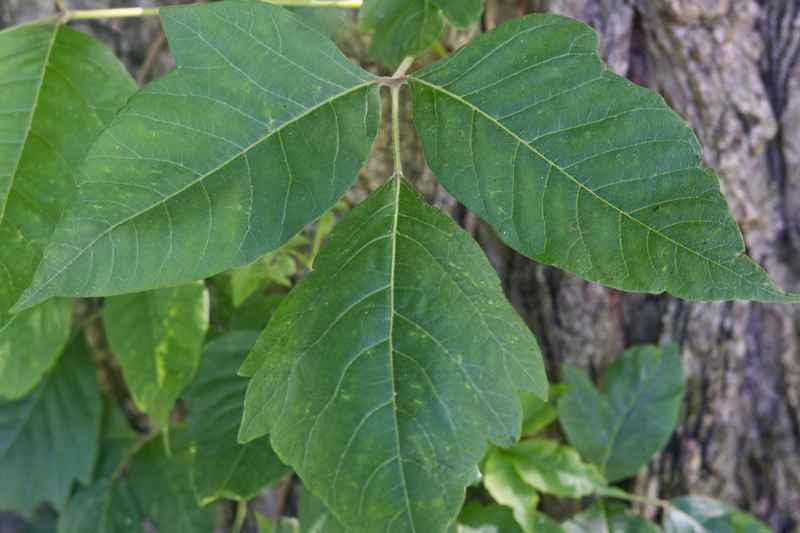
382	378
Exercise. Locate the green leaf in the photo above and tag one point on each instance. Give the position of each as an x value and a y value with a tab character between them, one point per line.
260	129
586	171
255	312
385	370
157	337
400	27
315	517
117	439
699	514
608	517
537	413
163	487
223	468
507	488
59	88
461	12
277	267
30	343
104	507
621	428
48	439
554	469
490	518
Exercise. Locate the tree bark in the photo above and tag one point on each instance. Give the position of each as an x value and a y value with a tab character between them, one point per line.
730	67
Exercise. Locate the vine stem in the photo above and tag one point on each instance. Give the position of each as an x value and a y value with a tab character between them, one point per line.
394	88
127	12
241	515
398	160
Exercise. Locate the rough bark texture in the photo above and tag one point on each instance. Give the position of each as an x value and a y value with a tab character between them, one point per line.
731	68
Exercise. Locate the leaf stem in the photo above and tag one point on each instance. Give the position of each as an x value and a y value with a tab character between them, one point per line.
398	160
241	515
128	12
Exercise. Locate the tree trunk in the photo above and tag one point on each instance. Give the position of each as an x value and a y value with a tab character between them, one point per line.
731	68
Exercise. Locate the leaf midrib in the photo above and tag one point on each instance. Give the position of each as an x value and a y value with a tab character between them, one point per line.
200	179
582	186
392	266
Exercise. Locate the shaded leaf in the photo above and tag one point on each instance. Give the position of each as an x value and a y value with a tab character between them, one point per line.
383	373
59	88
400	27
223	468
699	514
30	343
163	488
461	12
588	172
554	469
48	439
621	428
157	337
255	312
104	507
200	173
489	518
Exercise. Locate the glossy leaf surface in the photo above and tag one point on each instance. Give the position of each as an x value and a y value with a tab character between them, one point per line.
577	167
384	372
505	485
58	89
608	517
699	514
157	337
223	468
260	129
554	469
621	428
48	439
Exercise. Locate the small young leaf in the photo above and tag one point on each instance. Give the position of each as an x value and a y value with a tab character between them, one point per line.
620	429
157	337
461	12
507	488
608	517
400	27
383	373
537	414
260	129
163	487
30	343
223	468
554	469
699	514
580	168
282	525
104	507
48	439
